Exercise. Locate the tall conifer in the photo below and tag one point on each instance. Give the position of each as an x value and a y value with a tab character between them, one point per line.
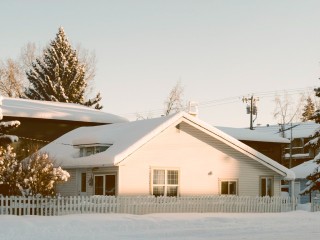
308	110
314	177
59	76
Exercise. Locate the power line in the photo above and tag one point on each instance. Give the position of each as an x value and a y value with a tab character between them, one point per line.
228	100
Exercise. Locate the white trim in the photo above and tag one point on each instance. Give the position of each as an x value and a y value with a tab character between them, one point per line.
236	180
165	184
103	182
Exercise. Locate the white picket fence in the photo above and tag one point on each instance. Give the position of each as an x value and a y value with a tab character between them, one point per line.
45	206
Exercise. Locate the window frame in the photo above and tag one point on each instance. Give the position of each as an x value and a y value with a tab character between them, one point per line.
228	180
103	175
94	149
166	185
83	182
266	178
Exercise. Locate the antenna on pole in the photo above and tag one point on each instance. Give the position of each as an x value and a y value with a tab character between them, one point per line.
251	108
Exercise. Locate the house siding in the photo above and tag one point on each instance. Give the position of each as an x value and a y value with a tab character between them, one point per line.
72	186
202	160
68	188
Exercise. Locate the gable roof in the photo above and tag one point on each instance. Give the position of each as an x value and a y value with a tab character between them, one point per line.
252	135
126	138
27	108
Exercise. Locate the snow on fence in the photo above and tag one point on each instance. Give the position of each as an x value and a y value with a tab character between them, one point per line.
46	206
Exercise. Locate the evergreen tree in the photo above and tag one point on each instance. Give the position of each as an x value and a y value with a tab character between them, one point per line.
308	110
59	76
314	177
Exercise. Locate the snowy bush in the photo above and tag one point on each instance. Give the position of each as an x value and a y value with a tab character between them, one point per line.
40	175
10	171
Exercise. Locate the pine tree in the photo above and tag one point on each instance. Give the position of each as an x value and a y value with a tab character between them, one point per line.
314	177
59	76
308	110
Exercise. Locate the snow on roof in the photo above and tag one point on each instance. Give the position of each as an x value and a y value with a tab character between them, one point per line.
27	108
304	169
299	130
252	135
125	138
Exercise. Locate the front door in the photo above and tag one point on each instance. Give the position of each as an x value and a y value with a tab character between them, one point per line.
105	184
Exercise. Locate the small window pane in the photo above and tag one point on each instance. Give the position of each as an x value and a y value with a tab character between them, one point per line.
233	188
83	182
89	151
172	191
266	186
81	152
224	187
263	187
158	176
269	187
98	185
110	185
158	190
172	177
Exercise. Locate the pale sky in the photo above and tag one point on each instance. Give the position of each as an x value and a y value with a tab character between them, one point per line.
219	50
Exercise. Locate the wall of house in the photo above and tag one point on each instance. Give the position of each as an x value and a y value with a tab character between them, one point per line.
68	188
201	160
73	185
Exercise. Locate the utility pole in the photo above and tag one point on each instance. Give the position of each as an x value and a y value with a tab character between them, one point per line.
251	108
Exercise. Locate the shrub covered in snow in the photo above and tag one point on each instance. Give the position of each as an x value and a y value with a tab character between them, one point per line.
10	171
37	175
40	175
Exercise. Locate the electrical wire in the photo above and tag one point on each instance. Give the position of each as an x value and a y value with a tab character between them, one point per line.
228	100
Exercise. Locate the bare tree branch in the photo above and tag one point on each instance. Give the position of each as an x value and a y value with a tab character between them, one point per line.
174	102
11	79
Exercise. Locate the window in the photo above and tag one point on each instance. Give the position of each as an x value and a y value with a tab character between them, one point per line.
90	150
105	184
228	187
266	184
83	182
165	182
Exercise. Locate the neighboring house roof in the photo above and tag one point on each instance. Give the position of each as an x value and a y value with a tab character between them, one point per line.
243	134
304	169
299	129
126	138
27	108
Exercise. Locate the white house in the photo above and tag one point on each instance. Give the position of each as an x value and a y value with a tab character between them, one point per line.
173	155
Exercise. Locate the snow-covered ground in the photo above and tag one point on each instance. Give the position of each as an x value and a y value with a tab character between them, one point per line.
263	226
